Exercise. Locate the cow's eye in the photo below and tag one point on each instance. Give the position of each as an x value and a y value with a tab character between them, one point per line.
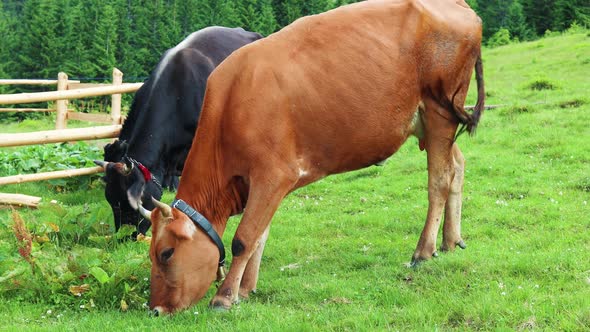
166	254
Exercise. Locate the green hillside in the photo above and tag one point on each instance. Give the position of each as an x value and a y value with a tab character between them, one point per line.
338	249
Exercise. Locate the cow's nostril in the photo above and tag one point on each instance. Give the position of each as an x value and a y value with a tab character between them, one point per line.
159	311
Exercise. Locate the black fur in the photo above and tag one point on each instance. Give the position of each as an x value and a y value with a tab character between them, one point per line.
160	127
237	247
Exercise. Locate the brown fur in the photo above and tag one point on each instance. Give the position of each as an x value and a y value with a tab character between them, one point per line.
328	94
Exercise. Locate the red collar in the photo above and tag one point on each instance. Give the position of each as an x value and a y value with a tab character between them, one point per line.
147	176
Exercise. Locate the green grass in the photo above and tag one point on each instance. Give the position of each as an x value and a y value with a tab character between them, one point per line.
337	254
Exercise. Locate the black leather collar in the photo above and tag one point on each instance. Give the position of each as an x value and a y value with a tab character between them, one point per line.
202	223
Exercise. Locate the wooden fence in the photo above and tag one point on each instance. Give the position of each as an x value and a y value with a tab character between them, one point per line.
66	90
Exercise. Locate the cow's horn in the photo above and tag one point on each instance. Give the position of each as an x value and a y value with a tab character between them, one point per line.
147	214
102	164
127	169
165	209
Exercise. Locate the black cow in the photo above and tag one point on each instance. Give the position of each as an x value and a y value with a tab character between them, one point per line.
157	135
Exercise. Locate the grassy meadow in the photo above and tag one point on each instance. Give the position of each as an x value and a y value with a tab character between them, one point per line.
338	252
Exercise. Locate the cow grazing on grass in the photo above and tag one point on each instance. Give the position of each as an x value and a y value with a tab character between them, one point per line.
330	93
157	135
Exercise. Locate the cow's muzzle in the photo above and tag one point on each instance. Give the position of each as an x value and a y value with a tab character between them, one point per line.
158	311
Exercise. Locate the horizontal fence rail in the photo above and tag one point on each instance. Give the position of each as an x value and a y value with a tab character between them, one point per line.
30	82
27	110
57	136
68	173
35	97
18	200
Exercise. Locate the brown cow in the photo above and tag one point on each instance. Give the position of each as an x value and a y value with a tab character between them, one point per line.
328	94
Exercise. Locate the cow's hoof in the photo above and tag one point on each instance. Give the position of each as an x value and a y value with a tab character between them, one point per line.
220	303
417	259
219	306
462	244
245	294
450	247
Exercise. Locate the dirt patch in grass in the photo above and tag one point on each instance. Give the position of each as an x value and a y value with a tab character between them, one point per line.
583	187
516	110
572	103
541	84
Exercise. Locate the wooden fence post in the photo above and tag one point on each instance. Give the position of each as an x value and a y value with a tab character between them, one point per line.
116	98
61	105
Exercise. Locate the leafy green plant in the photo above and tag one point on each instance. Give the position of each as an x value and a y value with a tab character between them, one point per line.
66	270
500	38
575	28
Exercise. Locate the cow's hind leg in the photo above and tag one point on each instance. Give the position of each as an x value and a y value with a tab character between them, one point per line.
266	192
452	225
438	136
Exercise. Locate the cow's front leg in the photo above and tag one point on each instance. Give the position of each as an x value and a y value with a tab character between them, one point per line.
250	277
452	225
266	193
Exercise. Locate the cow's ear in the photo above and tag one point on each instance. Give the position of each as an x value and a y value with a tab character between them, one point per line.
135	192
114	151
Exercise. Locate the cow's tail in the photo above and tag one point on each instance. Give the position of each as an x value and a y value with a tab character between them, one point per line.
470	121
481	96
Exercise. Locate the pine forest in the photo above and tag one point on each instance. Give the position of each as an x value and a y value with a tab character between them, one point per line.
87	38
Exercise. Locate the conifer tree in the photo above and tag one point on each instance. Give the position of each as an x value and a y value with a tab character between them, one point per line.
312	7
472	4
228	14
128	60
74	41
569	11
174	21
187	14
37	53
267	23
8	41
104	42
279	12
88	37
248	14
497	14
515	22
538	14
292	10
216	13
143	50
162	28
339	3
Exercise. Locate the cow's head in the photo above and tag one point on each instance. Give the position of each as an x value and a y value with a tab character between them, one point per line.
126	188
184	260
